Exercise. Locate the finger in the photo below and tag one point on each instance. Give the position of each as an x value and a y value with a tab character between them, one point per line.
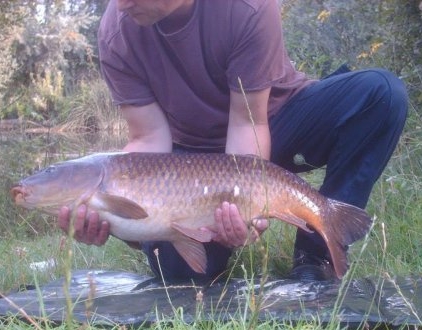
92	228
97	231
221	234
238	226
103	234
79	223
257	228
260	225
64	219
228	233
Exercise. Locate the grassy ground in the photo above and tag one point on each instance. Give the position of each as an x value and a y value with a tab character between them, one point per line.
28	238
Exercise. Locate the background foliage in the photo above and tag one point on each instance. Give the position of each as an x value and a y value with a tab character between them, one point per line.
49	76
321	35
49	46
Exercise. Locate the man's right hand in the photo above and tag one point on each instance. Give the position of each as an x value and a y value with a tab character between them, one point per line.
88	228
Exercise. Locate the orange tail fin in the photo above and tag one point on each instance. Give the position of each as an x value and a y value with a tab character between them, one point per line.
347	224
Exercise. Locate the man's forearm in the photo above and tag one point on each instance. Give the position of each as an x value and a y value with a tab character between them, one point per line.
148	129
249	139
248	131
148	145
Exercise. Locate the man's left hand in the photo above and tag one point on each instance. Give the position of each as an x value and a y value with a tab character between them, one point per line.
232	231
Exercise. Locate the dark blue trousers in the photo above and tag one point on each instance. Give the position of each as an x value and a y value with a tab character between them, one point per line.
348	122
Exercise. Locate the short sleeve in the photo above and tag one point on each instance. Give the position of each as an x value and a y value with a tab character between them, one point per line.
257	53
124	75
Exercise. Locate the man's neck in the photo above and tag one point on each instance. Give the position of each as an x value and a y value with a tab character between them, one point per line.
178	19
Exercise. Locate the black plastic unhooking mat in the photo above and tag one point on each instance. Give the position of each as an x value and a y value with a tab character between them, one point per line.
110	297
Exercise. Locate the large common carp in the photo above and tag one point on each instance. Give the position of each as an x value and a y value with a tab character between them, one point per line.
170	197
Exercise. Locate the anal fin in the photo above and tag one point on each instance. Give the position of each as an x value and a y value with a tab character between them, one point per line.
193	253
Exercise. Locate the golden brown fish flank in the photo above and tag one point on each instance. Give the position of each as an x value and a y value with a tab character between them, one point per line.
148	196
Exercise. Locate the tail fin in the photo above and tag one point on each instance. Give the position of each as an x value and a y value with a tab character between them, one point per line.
348	224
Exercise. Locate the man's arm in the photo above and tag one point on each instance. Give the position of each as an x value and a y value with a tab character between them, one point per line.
148	128
248	131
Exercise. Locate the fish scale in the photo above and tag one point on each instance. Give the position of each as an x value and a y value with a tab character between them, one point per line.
172	197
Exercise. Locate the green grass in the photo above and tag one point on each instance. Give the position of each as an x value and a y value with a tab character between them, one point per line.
393	247
23	256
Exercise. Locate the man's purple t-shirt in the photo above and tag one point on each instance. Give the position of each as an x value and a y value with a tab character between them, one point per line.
190	72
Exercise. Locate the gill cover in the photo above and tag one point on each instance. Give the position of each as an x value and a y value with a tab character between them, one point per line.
64	183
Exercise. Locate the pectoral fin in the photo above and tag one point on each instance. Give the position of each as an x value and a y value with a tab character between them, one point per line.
196	234
121	206
293	220
193	253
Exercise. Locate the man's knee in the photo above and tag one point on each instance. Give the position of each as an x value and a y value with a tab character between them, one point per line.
389	92
386	84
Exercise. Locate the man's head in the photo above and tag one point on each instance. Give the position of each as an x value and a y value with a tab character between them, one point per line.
148	12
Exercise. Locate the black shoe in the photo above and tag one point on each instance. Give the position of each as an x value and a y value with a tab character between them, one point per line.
308	267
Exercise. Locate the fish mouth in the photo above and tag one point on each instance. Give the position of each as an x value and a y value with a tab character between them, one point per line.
19	194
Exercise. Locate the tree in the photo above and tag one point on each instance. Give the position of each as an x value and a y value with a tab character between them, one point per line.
47	49
323	34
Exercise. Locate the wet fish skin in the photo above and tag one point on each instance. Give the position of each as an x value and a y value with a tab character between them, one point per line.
169	197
